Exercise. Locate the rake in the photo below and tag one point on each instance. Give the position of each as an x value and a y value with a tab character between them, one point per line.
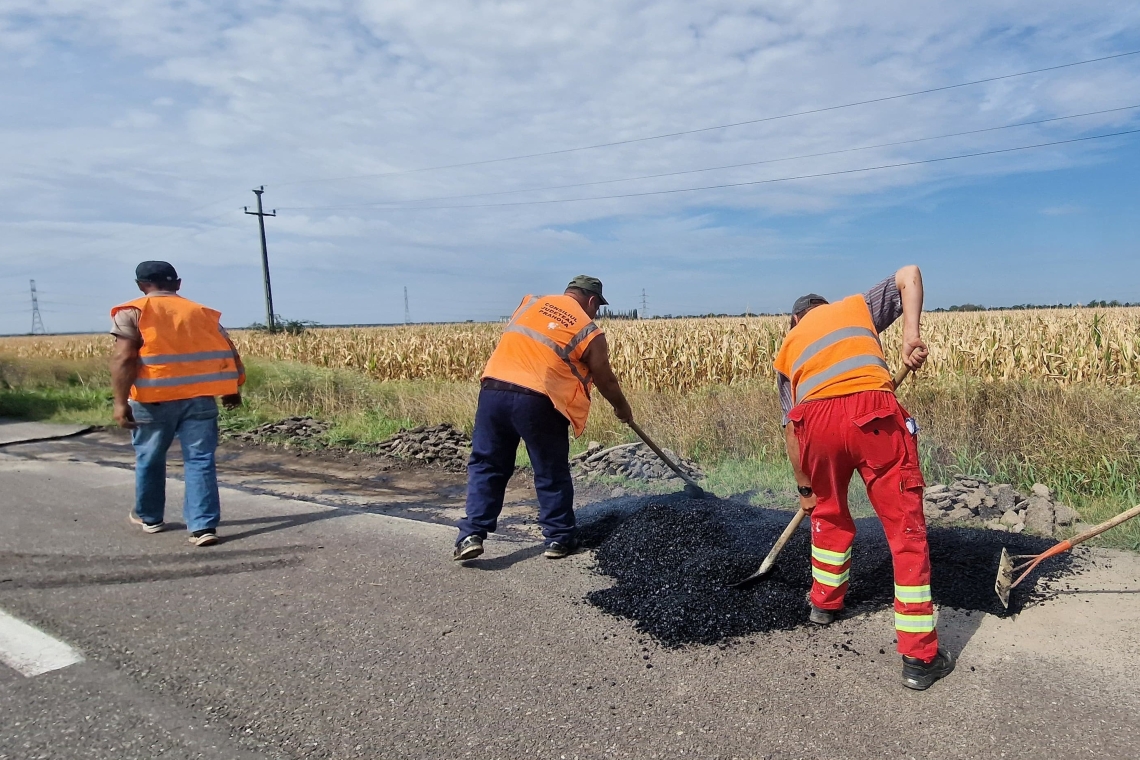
1013	568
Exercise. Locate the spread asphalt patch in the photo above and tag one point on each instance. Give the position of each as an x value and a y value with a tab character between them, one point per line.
674	559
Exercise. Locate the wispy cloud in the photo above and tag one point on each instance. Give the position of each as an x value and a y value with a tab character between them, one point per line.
136	128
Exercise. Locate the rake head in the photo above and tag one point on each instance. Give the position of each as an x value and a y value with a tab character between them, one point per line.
1004	582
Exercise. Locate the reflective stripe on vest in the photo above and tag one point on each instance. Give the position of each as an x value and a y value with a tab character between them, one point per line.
170	382
563	353
199	356
834	350
804	389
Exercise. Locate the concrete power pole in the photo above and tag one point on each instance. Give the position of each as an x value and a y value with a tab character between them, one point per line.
37	320
407	311
270	320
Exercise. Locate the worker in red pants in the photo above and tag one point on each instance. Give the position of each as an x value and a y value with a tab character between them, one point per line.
841	417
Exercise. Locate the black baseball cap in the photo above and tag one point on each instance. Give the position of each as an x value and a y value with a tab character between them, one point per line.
803	303
158	272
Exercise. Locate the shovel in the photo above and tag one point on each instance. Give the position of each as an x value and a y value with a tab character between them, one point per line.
770	560
692	490
1013	564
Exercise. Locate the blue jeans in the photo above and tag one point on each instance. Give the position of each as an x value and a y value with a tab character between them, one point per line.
195	422
501	419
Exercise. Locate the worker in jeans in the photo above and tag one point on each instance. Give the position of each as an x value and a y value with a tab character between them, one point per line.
536	385
171	359
841	417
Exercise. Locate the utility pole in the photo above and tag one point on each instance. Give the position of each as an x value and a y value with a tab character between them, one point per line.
644	307
37	320
270	322
407	311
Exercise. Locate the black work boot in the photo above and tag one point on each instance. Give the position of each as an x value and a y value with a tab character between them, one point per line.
469	548
560	549
824	617
919	675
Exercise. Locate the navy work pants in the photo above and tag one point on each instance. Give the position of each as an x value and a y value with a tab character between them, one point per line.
502	418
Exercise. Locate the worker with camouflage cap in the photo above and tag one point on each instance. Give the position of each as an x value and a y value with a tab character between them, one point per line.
537	384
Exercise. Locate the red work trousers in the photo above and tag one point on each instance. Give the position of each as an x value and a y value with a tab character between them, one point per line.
866	432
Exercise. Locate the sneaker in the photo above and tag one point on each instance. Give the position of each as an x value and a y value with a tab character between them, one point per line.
469	548
148	527
560	549
203	538
919	675
823	617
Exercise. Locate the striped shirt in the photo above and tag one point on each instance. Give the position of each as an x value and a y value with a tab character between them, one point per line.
885	304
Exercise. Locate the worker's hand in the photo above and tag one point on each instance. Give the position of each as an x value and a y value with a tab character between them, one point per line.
807	503
125	417
232	401
624	413
914	352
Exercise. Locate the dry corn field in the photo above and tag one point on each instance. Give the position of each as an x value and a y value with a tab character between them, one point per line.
1068	346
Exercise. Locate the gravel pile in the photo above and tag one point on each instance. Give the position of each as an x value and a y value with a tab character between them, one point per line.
291	430
440	445
674	559
997	507
635	461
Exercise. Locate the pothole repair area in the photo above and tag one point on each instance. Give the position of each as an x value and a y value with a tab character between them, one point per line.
673	561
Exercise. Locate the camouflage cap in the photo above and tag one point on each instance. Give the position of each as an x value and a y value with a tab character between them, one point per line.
590	285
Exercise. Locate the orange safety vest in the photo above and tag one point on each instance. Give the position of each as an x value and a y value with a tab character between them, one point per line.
183	354
541	349
834	351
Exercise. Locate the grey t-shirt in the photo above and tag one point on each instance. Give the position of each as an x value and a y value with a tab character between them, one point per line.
885	303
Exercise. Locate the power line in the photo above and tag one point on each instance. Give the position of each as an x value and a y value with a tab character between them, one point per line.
767	181
726	166
699	130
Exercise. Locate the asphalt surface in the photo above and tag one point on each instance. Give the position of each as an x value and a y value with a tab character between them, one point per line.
327	632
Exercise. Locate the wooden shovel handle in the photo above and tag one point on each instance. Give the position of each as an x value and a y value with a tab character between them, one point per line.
656	450
901	375
783	539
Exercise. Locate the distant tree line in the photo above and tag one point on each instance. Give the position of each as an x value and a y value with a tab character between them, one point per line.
1094	304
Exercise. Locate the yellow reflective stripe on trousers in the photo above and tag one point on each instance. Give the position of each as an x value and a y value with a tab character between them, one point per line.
835	580
914	623
912	594
830	557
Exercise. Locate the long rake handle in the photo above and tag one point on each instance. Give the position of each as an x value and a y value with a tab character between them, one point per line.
1080	538
901	375
656	450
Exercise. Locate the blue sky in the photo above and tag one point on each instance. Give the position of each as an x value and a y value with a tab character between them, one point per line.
136	129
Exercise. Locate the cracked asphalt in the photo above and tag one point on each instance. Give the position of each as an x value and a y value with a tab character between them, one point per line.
324	631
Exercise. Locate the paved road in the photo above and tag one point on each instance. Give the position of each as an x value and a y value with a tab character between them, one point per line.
323	632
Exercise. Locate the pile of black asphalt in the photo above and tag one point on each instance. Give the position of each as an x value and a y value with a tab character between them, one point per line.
674	561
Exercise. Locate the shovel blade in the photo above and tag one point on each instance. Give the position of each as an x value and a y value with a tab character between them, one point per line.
1004	581
753	579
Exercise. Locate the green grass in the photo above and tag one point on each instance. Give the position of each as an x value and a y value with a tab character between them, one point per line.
1083	442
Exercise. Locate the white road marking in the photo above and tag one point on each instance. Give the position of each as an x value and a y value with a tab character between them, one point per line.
30	651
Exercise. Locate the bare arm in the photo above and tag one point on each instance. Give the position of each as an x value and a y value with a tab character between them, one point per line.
792	445
914	350
124	368
597	358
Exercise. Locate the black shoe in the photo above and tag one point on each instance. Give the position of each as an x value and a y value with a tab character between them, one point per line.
204	538
919	675
560	549
823	617
469	548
